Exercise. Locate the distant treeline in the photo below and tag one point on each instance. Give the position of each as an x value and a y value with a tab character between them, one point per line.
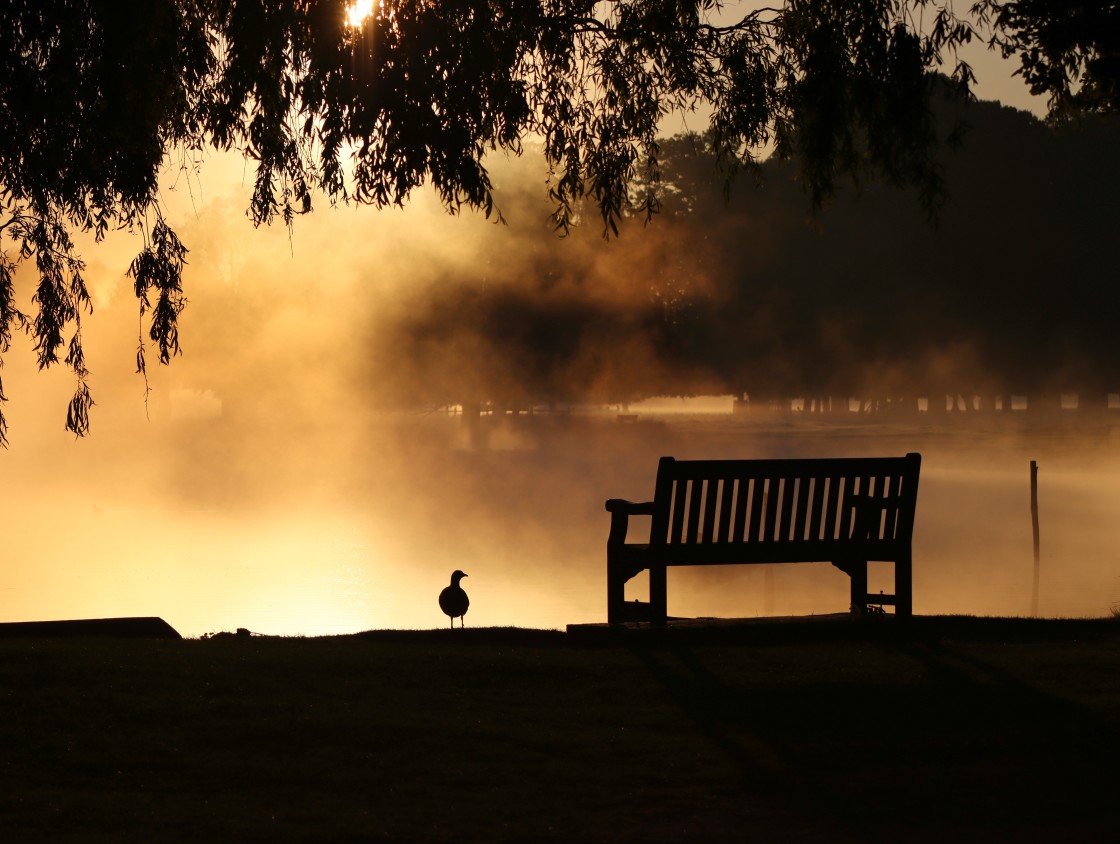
1012	289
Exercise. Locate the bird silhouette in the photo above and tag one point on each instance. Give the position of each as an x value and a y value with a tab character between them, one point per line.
453	600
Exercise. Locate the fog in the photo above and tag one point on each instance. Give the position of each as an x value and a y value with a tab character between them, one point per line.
297	470
358	523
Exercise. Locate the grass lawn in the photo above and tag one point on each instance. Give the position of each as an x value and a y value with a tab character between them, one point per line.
957	730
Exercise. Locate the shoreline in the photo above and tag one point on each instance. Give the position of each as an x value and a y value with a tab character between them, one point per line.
768	630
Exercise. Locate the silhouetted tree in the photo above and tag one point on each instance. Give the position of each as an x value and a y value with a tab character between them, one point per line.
96	94
1068	50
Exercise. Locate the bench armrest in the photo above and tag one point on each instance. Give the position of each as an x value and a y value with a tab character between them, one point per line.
616	505
621	510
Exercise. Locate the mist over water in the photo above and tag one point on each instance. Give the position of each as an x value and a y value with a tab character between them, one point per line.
528	516
348	539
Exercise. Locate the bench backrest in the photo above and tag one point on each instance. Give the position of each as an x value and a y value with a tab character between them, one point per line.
736	511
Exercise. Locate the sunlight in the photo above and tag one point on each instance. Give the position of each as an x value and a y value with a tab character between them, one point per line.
357	12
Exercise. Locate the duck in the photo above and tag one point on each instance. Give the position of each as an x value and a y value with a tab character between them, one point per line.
453	600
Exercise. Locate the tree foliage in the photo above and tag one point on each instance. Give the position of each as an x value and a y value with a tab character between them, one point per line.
1068	50
97	95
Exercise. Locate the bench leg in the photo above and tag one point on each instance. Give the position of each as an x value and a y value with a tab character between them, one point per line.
857	570
616	593
658	595
903	588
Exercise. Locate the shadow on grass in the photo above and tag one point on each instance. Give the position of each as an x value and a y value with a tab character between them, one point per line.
954	746
950	730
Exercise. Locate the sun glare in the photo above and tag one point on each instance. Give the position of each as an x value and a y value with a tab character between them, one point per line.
357	12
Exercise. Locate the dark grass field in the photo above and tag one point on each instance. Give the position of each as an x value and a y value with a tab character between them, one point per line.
952	730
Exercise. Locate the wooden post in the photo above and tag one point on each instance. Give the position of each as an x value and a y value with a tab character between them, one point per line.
1034	525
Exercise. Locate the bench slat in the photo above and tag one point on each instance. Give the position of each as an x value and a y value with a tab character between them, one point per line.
820	486
694	504
804	507
758	504
890	497
785	516
799	467
772	504
726	501
851	486
711	494
804	551
832	507
742	502
679	497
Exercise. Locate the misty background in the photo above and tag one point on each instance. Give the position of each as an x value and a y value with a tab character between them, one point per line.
298	471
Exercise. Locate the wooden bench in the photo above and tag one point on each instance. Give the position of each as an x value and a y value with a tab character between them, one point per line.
845	511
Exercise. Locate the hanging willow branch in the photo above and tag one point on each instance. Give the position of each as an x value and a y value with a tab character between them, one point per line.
95	95
157	273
